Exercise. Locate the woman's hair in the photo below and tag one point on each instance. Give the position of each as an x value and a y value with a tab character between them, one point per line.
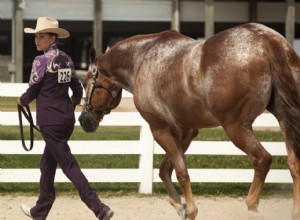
52	34
58	41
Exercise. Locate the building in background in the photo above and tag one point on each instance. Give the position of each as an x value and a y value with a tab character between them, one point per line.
104	22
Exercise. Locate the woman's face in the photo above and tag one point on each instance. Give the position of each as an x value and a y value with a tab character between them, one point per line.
43	41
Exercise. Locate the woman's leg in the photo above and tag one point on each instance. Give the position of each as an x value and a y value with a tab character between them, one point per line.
47	192
56	138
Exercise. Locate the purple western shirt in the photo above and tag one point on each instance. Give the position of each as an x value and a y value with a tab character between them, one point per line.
52	74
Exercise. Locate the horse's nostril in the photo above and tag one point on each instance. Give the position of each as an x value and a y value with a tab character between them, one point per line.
80	119
87	123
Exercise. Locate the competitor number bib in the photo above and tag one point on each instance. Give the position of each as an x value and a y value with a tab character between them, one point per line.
64	75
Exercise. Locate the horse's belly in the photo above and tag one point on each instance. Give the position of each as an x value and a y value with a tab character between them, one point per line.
197	119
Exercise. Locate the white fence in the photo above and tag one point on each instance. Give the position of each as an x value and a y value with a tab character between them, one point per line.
146	147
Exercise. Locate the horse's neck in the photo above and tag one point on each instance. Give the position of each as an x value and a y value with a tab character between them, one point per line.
121	70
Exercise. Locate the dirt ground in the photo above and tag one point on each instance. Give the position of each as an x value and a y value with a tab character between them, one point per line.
148	208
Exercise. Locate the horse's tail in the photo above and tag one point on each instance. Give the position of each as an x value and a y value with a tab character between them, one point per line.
285	95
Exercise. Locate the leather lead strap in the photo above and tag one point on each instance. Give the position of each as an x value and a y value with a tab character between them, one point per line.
28	116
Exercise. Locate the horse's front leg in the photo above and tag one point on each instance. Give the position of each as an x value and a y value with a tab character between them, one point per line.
165	173
184	181
175	159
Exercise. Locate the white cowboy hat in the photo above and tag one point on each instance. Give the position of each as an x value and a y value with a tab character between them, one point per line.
48	25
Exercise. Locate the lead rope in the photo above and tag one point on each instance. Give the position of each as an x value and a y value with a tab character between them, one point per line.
28	116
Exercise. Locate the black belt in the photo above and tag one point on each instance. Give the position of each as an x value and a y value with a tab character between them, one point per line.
28	116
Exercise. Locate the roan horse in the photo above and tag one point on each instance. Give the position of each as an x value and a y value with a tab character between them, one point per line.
181	85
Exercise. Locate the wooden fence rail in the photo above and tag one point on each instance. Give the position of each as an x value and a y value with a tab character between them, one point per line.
145	147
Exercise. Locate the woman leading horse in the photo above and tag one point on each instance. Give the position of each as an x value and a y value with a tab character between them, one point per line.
181	85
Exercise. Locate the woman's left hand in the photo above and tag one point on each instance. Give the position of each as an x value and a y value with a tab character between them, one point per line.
19	102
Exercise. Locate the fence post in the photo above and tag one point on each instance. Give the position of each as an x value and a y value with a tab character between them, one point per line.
146	159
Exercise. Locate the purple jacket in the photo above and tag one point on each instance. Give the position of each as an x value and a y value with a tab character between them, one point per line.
51	77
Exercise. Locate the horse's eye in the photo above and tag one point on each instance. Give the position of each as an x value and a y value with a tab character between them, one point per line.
94	71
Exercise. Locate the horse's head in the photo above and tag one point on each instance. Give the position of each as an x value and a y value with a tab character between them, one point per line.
102	95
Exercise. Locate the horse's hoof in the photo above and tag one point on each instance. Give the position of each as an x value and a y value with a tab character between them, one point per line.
296	216
182	212
254	215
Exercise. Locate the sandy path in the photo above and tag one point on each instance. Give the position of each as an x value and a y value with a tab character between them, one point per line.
148	208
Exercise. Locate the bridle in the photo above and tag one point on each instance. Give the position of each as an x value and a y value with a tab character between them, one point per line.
98	85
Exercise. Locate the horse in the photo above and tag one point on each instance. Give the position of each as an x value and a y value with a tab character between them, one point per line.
181	85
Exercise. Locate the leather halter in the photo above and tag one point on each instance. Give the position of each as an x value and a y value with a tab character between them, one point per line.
98	85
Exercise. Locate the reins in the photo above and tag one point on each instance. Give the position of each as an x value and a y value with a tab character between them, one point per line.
28	116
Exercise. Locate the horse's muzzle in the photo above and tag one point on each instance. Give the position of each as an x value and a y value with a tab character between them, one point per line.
87	122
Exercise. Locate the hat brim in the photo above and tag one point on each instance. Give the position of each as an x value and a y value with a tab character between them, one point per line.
61	33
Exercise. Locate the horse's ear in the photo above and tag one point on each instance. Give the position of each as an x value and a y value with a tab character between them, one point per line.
107	49
92	55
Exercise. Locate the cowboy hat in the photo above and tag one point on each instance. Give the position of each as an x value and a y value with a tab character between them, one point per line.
48	25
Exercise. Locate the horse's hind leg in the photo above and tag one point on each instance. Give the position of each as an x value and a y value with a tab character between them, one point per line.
294	166
244	138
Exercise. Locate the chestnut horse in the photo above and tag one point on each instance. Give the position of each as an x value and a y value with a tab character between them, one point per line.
181	85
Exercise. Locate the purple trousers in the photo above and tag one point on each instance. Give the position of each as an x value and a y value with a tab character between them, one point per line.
57	151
